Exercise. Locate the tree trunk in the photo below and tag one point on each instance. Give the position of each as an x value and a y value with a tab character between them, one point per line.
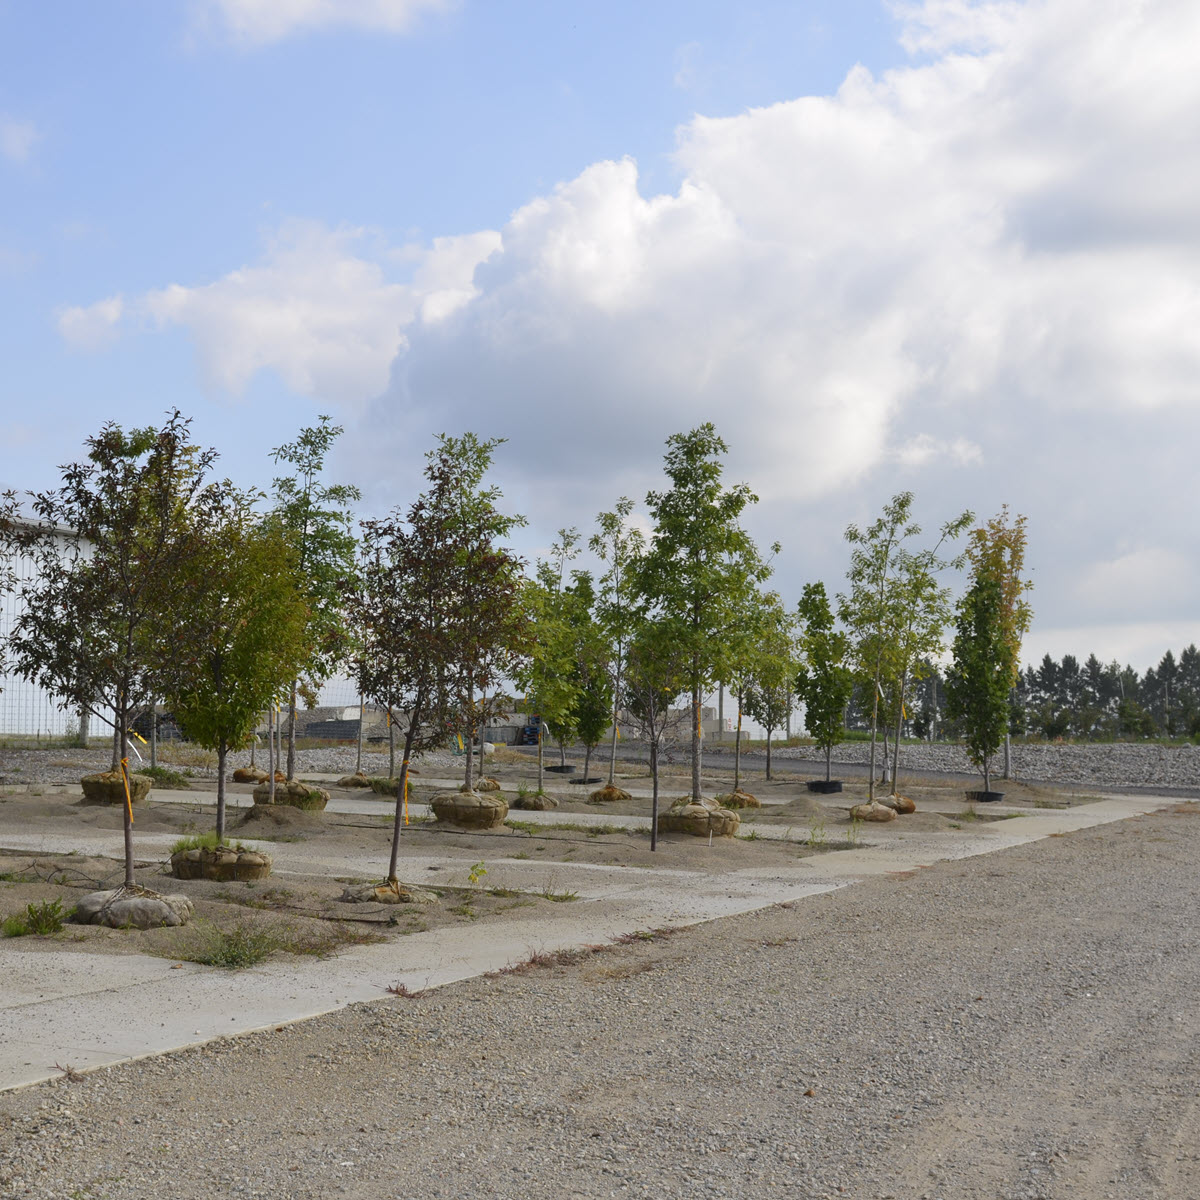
721	713
987	774
562	753
769	732
541	755
291	757
883	773
470	772
828	758
358	756
899	727
1007	754
222	752
271	759
737	747
84	721
116	743
612	756
391	743
653	790
696	741
874	728
587	760
127	815
154	733
398	822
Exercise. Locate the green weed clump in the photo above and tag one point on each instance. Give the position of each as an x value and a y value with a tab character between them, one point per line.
40	919
204	841
247	944
167	779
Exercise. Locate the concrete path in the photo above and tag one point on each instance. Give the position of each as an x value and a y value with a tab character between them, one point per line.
87	1010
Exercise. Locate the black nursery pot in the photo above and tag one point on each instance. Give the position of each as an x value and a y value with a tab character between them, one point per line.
981	797
569	769
825	786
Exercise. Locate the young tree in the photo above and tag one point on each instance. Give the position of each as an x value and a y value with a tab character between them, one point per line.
549	677
619	546
113	546
895	610
981	674
998	550
233	650
701	567
656	672
316	516
483	600
406	604
769	696
824	681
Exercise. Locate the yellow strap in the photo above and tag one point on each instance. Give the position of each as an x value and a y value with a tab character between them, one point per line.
139	737
125	780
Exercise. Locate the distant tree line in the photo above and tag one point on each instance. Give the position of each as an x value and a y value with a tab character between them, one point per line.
1090	701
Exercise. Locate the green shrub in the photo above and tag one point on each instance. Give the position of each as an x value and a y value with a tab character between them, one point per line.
165	778
41	919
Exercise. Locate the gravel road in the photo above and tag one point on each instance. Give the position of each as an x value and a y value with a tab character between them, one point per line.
1017	1025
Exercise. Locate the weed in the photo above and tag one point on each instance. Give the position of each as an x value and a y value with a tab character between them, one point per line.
854	834
643	935
464	910
203	841
523	854
247	944
817	836
403	990
752	836
69	1073
165	778
20	877
40	919
242	946
503	891
955	824
476	873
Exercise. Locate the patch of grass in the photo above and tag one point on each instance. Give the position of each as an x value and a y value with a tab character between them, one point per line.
464	910
165	778
516	904
273	899
247	944
37	919
20	877
538	827
523	854
204	841
752	836
817	835
503	891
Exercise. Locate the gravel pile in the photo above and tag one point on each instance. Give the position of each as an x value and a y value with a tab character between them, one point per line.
66	765
1016	1026
1101	765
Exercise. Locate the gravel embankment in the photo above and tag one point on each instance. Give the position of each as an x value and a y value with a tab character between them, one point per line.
1015	1026
1110	765
1117	764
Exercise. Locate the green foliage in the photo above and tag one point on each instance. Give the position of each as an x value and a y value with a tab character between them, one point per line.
978	681
702	569
774	663
38	919
203	841
166	779
896	610
825	680
113	546
243	635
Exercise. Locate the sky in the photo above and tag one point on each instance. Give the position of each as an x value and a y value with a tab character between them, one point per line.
945	247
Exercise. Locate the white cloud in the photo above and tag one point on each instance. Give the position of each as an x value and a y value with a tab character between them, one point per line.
924	448
999	242
319	309
16	138
92	327
258	21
